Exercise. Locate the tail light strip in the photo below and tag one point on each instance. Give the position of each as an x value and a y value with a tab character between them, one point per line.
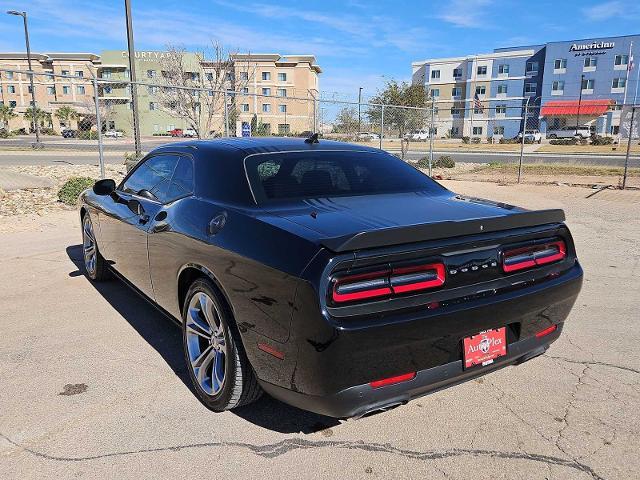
532	256
388	282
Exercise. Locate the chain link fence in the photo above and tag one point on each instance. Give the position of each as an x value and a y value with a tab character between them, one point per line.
90	120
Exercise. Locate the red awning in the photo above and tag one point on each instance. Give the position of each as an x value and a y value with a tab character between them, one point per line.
594	108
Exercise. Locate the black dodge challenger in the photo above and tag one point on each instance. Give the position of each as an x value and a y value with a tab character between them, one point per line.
335	277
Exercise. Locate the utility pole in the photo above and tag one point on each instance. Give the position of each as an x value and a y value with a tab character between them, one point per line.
132	79
626	160
34	119
98	125
359	109
431	129
579	102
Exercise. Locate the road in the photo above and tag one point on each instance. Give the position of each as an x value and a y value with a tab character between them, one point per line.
93	385
88	155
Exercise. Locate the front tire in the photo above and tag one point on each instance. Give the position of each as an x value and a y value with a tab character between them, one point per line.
218	366
94	264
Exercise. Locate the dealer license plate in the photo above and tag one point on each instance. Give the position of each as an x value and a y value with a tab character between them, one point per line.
485	347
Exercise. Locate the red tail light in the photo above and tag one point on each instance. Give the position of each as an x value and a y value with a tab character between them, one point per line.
393	380
547	331
532	256
388	282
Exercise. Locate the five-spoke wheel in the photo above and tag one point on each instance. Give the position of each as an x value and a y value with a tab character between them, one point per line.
94	264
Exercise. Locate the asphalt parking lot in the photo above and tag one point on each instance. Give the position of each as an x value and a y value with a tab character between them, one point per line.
92	383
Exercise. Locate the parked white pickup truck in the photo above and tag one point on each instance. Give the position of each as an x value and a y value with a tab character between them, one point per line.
569	132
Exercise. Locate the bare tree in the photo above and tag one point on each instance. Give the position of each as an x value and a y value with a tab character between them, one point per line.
195	90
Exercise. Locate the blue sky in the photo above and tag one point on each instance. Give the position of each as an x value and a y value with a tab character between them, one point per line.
357	43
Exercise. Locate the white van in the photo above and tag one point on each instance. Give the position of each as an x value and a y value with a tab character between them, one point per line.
569	132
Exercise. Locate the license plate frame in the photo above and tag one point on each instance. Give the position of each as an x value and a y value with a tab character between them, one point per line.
484	347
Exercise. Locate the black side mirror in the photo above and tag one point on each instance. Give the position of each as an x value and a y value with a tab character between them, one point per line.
104	187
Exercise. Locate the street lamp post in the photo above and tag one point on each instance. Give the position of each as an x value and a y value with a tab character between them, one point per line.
359	108
33	90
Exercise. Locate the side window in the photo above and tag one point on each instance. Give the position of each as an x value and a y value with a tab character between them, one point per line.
153	175
182	180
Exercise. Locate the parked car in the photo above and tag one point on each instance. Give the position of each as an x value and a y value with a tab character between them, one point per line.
113	134
531	136
569	132
367	136
190	133
418	135
333	276
176	132
68	133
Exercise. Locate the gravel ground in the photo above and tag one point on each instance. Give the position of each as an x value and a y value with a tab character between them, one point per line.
92	380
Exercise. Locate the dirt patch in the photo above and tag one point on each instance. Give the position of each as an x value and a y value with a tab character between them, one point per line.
74	389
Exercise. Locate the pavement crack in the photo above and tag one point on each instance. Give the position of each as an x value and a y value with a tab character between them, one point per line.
282	447
593	363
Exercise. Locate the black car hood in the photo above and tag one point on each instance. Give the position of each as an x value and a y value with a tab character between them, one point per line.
343	223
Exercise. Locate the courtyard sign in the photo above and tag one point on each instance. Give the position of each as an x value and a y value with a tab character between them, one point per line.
591	46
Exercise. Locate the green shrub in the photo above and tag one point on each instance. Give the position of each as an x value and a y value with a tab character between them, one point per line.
445	161
87	135
509	140
563	141
20	131
68	193
465	139
4	133
600	140
475	140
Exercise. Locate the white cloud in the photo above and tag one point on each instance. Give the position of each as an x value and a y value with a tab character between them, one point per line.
467	13
605	11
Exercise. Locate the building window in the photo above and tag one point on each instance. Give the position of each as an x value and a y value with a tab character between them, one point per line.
435	74
435	92
503	69
619	83
501	109
498	130
209	76
244	75
282	77
482	70
51	90
266	91
456	92
9	75
66	90
152	106
65	72
532	68
245	90
455	111
11	89
457	73
151	73
502	89
266	76
621	60
79	74
244	107
107	89
560	64
282	92
282	108
106	73
530	88
588	83
283	128
481	90
557	86
590	62
49	77
80	89
13	104
477	130
266	107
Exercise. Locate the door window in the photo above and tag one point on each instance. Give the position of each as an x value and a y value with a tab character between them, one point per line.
153	175
182	180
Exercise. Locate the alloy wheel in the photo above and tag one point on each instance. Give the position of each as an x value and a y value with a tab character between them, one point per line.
206	343
89	248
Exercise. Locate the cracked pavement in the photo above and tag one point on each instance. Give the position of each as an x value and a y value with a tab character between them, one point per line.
92	383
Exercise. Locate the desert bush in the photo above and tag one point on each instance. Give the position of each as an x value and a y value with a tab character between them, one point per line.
475	140
600	140
445	161
509	140
4	133
68	193
563	141
465	139
131	159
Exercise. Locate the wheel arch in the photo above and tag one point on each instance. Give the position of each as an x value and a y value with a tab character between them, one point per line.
189	273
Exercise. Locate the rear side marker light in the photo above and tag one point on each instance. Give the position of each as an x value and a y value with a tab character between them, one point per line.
547	331
271	351
388	282
533	256
393	380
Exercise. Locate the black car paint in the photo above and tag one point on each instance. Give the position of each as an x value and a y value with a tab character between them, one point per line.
272	264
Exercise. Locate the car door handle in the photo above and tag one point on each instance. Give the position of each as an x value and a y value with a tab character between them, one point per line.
144	218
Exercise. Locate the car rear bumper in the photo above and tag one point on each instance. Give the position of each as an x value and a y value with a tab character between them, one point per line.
363	399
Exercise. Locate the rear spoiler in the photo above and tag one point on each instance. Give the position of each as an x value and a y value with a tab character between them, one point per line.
434	231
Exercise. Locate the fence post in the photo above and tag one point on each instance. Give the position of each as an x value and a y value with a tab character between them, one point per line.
381	127
226	115
524	130
98	126
626	159
433	103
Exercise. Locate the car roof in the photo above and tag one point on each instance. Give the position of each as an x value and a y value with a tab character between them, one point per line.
252	145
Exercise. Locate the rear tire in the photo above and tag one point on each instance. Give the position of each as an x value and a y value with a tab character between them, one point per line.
217	363
94	264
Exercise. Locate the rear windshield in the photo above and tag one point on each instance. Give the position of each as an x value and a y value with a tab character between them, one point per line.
301	175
